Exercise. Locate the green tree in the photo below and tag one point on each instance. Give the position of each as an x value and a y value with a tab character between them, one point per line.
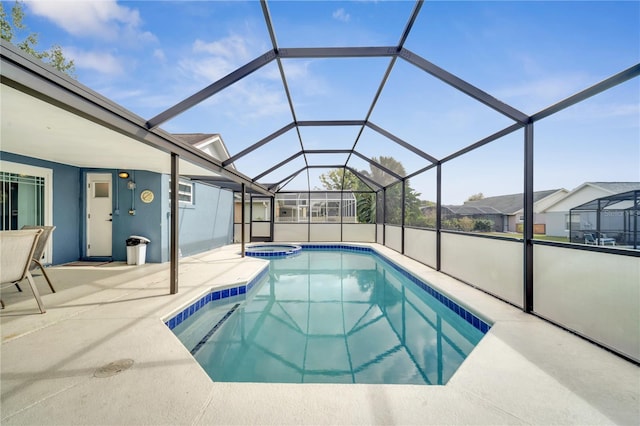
413	214
476	197
337	179
9	28
366	202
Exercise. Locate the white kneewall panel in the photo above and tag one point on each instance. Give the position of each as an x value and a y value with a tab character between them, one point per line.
380	232
393	237
290	232
237	232
261	229
324	232
492	265
360	232
594	294
420	244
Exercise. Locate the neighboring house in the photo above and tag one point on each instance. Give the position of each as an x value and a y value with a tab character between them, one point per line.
506	211
95	210
294	207
211	143
558	213
257	218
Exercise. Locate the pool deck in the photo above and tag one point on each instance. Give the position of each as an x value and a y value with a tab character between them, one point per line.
525	370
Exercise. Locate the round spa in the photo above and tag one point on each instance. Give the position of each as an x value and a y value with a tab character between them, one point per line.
272	250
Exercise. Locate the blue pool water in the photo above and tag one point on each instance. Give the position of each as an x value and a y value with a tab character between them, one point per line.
332	316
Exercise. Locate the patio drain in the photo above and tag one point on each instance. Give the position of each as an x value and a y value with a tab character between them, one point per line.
113	368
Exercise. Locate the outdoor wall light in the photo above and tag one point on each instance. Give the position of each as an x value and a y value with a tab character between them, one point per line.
123	175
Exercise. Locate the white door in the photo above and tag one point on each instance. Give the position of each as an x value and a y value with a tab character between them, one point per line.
99	214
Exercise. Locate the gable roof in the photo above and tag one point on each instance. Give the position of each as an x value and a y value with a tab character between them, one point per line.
614	187
194	138
589	191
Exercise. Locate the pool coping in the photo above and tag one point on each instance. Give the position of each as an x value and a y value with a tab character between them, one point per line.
291	250
524	371
177	317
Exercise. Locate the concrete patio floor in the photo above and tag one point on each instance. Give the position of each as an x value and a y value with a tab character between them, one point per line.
524	371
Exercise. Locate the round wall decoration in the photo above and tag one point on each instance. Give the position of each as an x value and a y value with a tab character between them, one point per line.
146	196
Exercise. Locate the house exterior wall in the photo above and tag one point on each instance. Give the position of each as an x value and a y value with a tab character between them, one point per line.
556	224
583	195
204	225
66	206
556	214
147	219
550	200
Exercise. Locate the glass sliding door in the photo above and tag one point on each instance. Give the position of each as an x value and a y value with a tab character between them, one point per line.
26	198
22	200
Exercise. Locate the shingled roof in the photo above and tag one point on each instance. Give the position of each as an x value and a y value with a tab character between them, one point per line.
616	187
501	204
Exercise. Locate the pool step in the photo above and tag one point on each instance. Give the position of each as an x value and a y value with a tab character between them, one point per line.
213	329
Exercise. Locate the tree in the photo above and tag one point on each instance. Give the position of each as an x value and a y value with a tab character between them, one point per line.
336	179
54	56
476	197
393	194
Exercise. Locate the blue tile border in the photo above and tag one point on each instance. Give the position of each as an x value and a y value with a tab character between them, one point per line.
213	295
287	250
463	313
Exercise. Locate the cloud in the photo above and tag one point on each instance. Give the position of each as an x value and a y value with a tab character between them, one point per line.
538	93
102	62
159	55
259	95
341	15
103	19
211	61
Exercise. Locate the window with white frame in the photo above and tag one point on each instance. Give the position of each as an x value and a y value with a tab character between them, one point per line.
185	192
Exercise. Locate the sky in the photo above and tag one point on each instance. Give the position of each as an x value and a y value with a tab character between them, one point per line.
149	55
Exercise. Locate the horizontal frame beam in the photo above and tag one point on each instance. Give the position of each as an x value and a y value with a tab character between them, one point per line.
402	143
30	76
337	52
326	123
280	164
258	144
606	84
212	89
484	141
463	86
379	166
291	176
327	151
364	178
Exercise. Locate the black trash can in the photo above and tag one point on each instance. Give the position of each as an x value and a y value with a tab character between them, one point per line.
137	249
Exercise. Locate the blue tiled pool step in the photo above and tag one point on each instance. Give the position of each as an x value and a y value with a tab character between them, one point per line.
243	289
207	336
225	293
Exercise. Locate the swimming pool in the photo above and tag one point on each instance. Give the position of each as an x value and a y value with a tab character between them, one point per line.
337	315
273	250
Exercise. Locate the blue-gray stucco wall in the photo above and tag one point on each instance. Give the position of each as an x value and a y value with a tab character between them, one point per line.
205	225
145	222
67	206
